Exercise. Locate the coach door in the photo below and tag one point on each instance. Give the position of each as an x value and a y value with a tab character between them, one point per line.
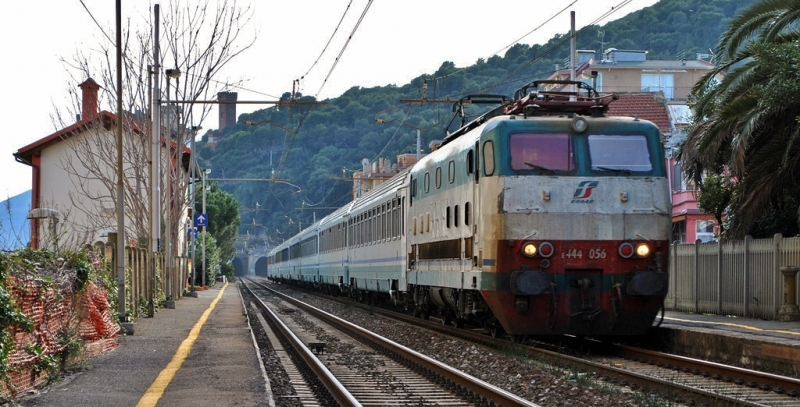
471	241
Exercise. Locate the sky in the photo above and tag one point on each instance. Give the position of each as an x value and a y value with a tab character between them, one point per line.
395	41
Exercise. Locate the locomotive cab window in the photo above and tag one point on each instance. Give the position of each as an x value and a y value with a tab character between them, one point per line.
619	153
451	171
542	152
488	158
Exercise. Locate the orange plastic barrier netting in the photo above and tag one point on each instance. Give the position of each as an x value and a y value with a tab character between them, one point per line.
86	314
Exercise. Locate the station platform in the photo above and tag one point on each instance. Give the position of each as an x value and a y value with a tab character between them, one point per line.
772	346
201	353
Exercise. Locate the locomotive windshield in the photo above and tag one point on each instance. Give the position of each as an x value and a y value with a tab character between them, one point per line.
546	152
619	153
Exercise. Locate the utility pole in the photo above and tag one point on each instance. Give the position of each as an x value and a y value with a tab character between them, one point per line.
155	164
120	257
205	174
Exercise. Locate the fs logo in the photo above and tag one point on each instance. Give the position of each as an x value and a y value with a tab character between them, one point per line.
584	192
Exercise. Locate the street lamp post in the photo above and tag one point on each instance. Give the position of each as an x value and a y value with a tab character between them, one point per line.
193	166
168	253
205	174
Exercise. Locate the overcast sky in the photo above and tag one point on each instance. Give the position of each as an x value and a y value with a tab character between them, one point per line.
396	41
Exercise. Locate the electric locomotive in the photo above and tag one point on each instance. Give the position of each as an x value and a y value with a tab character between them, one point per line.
541	217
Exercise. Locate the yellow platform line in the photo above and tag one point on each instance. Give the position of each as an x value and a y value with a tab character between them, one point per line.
156	390
748	327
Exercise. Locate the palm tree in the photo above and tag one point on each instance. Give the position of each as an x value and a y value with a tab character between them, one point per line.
746	125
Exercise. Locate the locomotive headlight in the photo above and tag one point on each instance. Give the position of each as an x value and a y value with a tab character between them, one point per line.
642	250
529	249
579	124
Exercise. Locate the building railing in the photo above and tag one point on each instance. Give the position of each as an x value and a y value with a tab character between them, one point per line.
740	278
168	283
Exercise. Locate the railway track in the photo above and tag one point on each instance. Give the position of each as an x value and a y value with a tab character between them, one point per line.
356	367
676	378
748	386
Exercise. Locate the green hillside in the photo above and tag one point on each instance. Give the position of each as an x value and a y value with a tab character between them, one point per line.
333	138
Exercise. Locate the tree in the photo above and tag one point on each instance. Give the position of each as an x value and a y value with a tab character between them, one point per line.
212	257
747	122
223	214
199	39
715	195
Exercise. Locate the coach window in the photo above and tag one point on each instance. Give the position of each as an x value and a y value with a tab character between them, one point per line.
470	162
414	226
427	182
413	189
438	177
401	225
382	225
451	171
467	213
373	226
455	216
448	217
488	158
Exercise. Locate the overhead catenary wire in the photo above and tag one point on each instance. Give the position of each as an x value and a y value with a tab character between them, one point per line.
344	47
513	43
335	30
566	39
397	130
552	49
535	29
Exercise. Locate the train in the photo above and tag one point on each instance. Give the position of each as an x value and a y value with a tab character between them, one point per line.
542	216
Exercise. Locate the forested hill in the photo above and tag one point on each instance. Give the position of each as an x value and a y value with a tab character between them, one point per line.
334	137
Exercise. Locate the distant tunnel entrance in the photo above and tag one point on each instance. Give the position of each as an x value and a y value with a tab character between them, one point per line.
239	269
261	267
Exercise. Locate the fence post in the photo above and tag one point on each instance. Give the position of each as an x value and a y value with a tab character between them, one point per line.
719	277
747	240
674	265
697	276
789	310
777	260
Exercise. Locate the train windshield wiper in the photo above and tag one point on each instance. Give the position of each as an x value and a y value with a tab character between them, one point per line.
615	170
538	167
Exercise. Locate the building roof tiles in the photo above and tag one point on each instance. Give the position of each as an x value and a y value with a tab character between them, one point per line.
647	106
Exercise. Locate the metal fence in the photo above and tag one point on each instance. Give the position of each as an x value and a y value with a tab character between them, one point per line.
739	278
168	283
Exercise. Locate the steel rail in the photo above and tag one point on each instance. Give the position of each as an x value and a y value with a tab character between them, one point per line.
334	387
616	375
751	378
470	383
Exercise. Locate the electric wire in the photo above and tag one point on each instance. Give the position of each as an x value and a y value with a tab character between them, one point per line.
285	154
335	30
513	43
344	47
568	38
397	130
509	78
535	29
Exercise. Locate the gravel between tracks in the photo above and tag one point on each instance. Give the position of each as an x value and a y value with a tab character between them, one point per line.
540	383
